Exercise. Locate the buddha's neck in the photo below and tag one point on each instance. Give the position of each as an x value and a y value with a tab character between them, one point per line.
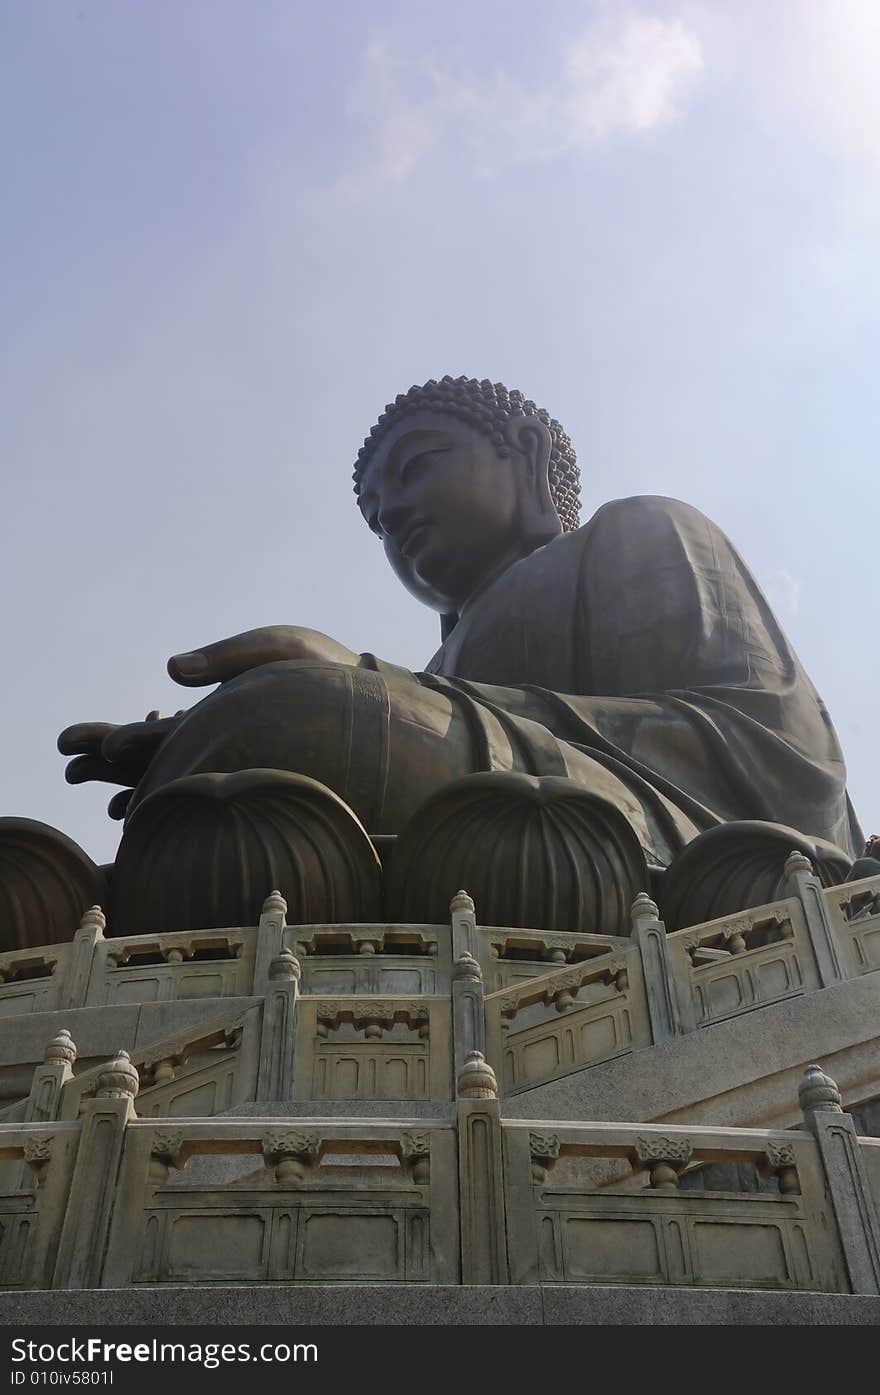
515	554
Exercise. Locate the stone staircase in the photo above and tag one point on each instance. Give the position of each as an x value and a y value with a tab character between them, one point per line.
447	1104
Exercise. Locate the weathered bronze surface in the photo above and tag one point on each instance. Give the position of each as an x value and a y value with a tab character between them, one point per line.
46	883
635	655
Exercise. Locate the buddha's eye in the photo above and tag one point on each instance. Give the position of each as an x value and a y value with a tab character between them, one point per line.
417	464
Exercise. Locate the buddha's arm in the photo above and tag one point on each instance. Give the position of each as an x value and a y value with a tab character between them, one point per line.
120	755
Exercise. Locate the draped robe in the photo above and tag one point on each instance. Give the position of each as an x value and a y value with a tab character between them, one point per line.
643	642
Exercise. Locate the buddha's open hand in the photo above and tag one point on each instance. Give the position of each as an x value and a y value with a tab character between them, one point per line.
118	755
217	663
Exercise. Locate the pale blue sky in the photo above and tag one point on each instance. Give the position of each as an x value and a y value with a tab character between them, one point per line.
233	229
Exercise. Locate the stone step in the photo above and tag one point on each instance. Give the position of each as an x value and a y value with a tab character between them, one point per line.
742	1072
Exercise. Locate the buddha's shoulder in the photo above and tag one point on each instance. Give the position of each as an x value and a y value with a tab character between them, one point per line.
628	536
647	509
624	534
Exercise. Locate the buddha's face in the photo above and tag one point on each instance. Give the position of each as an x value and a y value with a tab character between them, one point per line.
446	504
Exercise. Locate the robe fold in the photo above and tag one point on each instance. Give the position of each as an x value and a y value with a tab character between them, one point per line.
639	652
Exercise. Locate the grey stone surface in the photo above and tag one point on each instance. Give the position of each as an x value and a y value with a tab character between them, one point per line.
97	1032
165	1019
848	1183
431	1304
342	1304
729	1073
342	1109
725	1307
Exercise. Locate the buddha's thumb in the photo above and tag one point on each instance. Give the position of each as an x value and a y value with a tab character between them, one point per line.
190	669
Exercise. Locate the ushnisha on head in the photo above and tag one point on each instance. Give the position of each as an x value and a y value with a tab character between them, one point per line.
460	478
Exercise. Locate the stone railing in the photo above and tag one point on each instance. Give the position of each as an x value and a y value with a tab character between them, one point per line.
741	962
93	971
164	968
679	983
36	1169
540	1004
263	1200
35	980
361	1048
111	1200
515	956
206	1068
549	1026
374	959
854	912
640	1227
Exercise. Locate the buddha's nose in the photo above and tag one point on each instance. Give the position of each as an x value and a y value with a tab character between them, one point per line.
393	518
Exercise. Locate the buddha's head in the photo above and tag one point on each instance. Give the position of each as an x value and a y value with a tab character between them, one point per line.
459	479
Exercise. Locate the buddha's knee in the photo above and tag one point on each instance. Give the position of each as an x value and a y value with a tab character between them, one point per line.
292	715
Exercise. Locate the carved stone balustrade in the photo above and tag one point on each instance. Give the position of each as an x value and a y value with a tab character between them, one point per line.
565	1226
854	910
171	967
356	1047
550	1026
202	1070
316	1201
32	980
739	962
254	1018
122	1200
374	959
33	1199
509	957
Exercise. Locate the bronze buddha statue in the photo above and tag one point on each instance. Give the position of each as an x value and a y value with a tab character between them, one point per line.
634	656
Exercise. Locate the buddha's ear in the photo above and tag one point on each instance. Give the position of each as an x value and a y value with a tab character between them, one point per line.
530	438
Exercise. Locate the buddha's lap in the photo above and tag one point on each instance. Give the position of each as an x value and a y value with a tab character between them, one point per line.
382	744
382	741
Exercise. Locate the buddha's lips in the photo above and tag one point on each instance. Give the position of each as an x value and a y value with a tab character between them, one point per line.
409	543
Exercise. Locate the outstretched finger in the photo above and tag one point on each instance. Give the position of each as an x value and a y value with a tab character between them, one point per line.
83	737
118	805
217	663
136	739
85	768
127	771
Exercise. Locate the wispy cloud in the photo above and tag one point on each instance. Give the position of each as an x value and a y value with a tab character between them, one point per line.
832	71
625	73
629	73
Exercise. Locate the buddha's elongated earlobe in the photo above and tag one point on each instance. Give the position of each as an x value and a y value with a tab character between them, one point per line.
531	439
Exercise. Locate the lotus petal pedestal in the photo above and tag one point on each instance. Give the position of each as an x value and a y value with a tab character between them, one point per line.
46	883
530	851
738	866
204	850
